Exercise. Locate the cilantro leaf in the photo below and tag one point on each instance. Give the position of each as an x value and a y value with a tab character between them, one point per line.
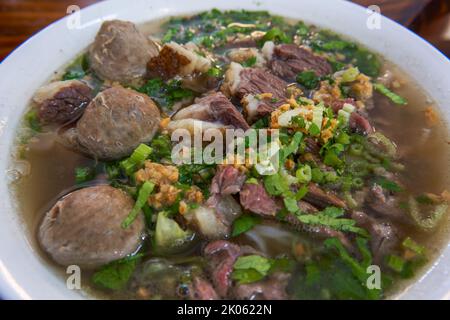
253	268
83	174
290	204
331	217
244	223
115	275
166	94
388	184
276	185
291	148
250	62
308	79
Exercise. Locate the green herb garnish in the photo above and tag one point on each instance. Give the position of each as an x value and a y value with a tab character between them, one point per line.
395	98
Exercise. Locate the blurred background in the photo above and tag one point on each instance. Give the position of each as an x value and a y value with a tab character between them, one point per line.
20	19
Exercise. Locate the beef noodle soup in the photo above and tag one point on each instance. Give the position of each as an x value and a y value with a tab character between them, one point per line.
354	207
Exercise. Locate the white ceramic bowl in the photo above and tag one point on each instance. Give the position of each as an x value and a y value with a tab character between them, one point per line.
23	275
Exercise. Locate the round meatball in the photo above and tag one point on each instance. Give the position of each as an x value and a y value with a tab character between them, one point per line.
120	52
61	102
84	228
116	121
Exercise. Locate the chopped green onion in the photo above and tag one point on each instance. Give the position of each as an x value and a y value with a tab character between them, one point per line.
144	193
330	176
136	159
290	204
317	118
391	95
343	117
304	174
350	75
317	175
396	263
429	222
356	149
214	72
343	138
314	130
301	193
358	183
83	174
359	168
32	120
332	159
410	244
351	203
348	107
291	148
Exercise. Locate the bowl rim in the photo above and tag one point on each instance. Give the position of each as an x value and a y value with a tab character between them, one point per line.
11	287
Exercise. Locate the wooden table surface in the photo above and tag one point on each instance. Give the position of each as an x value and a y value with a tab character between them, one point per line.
19	19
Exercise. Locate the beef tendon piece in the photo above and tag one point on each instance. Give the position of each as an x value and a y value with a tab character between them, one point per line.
243	55
62	102
120	52
84	228
214	108
116	121
177	60
258	89
214	219
221	257
288	60
385	237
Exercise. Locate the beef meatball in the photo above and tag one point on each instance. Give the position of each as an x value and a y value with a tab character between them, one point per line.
61	102
120	52
116	121
84	228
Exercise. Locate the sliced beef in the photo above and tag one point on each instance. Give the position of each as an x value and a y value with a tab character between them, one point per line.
221	255
62	102
323	199
85	228
214	108
120	52
202	289
358	122
288	60
337	105
312	146
257	81
272	288
384	236
227	180
258	89
384	204
255	198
